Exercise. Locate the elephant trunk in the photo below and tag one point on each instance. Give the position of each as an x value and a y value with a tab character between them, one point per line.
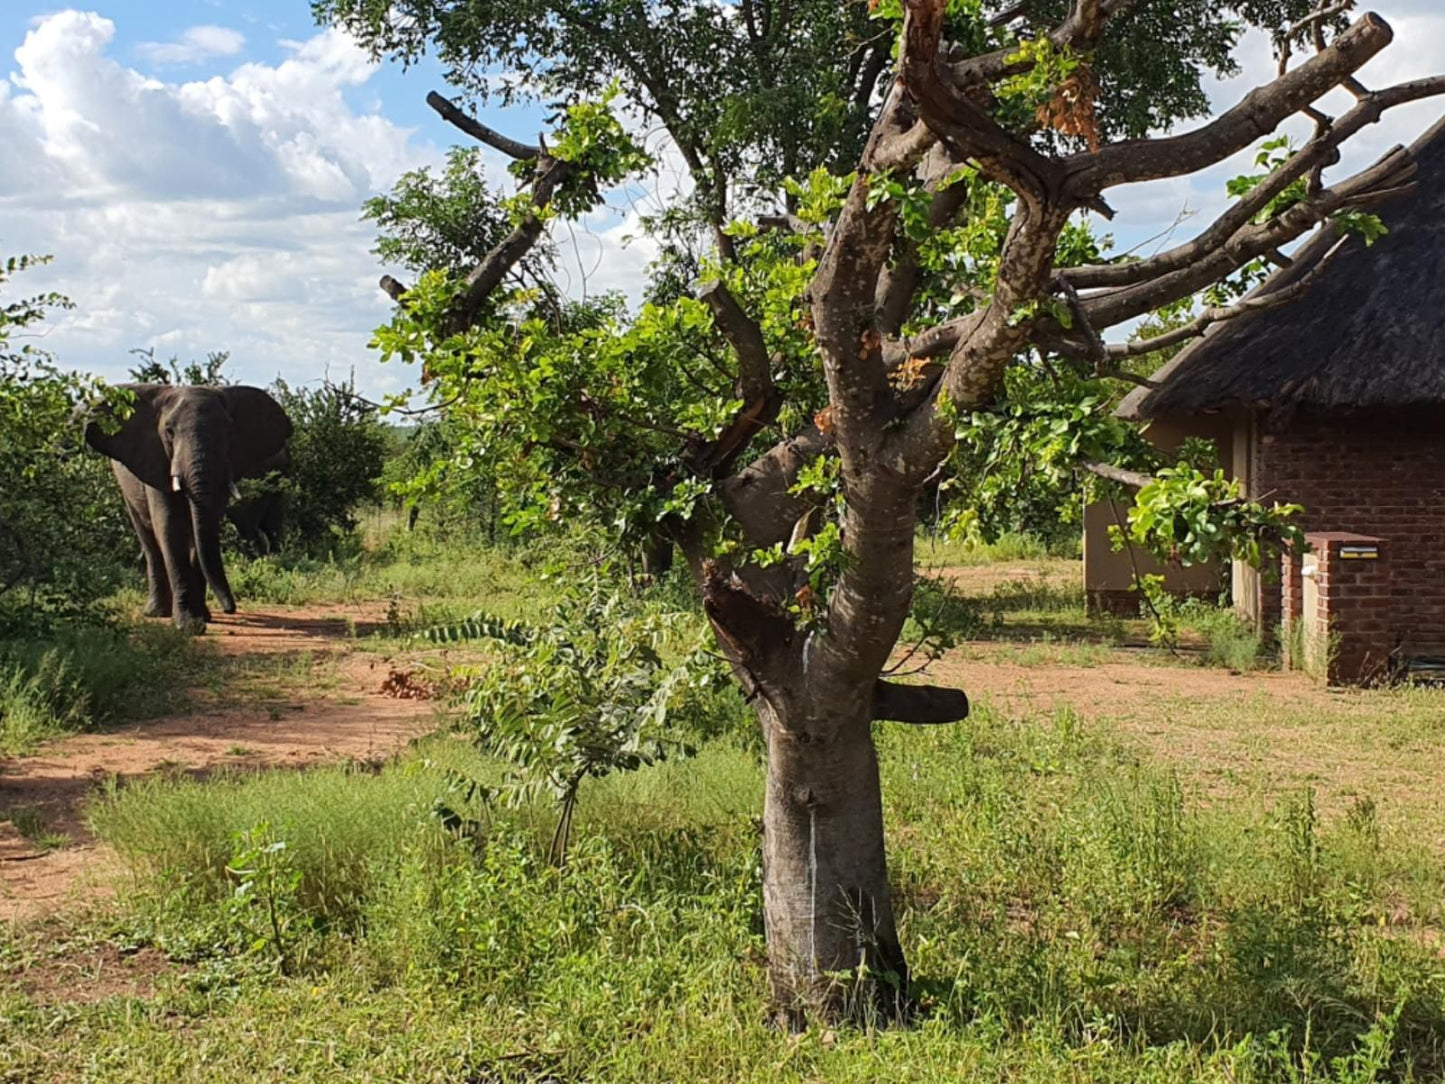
207	490
206	524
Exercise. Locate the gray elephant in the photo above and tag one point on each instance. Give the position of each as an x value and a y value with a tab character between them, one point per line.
260	519
177	458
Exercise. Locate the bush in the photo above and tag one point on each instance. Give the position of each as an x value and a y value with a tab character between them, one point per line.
64	538
337	455
589	691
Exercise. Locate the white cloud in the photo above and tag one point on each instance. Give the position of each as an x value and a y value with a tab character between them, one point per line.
194	45
220	214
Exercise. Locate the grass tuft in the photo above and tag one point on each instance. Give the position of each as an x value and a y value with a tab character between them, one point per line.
84	678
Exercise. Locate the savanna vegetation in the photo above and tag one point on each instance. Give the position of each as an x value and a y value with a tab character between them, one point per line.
666	828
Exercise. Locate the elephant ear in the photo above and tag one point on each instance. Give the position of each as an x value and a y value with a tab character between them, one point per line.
136	444
259	430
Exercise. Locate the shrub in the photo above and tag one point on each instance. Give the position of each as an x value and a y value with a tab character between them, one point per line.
64	538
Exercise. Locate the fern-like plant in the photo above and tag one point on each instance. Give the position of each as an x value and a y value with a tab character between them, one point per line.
586	693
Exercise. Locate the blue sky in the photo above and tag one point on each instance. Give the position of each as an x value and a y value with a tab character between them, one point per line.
197	169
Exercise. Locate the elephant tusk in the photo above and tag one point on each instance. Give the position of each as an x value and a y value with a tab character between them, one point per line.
175	483
235	493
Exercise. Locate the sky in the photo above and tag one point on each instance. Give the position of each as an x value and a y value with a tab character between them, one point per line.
197	169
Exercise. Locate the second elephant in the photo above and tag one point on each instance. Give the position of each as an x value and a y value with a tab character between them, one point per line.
177	458
260	518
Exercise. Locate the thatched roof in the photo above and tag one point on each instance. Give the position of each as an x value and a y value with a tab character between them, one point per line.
1369	332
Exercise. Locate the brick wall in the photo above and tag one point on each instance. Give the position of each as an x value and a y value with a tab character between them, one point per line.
1338	599
1381	476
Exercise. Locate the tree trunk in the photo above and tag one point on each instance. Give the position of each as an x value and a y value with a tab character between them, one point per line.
833	947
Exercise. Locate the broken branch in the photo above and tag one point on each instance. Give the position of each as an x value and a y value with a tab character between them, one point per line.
479	131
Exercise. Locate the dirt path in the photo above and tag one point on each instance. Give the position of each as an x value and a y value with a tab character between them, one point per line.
1233	736
342	715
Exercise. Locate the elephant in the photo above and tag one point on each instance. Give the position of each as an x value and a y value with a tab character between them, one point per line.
260	520
177	458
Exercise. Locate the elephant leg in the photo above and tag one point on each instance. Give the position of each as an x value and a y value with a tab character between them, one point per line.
158	582
171	515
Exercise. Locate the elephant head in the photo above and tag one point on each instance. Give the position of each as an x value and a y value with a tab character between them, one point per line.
196	442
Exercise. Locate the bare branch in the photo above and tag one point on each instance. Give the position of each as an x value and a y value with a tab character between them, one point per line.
1132	478
1320	151
957	120
479	131
787	222
1389	175
1258	114
760	496
1215	314
755	379
921	705
899	281
1008	15
1097	352
1074	32
510	250
933	343
395	290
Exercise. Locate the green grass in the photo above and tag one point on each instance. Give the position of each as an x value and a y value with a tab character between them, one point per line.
1071	914
1072	909
86	678
31	825
937	550
427	579
1230	642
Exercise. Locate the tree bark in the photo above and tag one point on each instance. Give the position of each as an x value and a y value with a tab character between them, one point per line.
833	948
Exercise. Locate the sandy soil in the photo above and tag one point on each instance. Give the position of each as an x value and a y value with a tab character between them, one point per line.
348	717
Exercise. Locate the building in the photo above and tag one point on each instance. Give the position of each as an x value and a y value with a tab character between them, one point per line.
1336	401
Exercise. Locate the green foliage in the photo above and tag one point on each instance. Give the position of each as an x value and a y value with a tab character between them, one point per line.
1275	153
527	396
1187	517
448	497
206	373
264	906
1044	68
768	96
599	150
64	538
448	221
1019	467
586	693
335	460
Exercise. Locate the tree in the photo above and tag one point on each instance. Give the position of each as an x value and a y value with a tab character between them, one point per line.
334	460
782	422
